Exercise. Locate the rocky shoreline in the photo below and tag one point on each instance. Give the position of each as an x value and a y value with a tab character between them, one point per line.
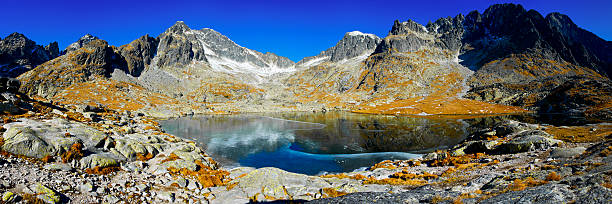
83	154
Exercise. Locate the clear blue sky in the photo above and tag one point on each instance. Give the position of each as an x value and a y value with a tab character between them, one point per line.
294	29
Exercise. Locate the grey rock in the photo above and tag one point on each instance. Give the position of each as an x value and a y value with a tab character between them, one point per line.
87	187
46	194
551	193
567	152
58	167
181	182
528	141
111	199
82	42
353	44
138	54
166	196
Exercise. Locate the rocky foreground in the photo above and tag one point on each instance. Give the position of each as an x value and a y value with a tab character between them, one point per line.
84	154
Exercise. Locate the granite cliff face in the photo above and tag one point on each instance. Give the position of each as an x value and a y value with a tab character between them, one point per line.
18	54
138	54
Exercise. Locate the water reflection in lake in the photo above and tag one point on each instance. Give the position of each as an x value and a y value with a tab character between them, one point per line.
311	143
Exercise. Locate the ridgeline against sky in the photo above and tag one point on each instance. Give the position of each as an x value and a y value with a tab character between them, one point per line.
294	29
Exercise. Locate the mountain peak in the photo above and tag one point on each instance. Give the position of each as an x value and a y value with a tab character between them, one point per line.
406	27
179	27
82	42
359	33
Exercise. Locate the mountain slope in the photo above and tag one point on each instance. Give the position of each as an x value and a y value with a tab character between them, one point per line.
473	64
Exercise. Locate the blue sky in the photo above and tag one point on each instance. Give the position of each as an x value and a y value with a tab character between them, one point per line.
294	29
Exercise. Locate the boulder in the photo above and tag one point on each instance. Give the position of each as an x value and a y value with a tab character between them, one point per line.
25	141
528	141
46	194
38	139
272	183
99	160
567	152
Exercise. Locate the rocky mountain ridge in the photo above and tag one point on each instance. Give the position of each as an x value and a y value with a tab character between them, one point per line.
354	44
505	55
18	54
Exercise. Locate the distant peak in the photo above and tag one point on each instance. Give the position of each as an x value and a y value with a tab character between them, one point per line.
178	27
15	35
88	37
358	33
402	28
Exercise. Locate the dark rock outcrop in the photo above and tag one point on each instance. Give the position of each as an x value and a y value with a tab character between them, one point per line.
177	49
138	54
19	54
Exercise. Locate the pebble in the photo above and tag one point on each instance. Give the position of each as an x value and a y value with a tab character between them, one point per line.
87	187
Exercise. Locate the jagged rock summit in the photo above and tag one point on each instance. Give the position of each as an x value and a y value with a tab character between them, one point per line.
354	45
18	54
86	39
180	46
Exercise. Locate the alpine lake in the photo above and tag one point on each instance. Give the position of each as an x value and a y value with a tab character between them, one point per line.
332	142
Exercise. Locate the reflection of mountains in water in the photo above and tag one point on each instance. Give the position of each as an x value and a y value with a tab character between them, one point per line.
347	133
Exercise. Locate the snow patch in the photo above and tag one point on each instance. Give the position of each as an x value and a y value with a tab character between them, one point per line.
359	33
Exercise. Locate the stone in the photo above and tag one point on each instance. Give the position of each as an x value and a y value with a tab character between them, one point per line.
181	182
567	152
528	141
25	141
272	182
193	185
86	187
166	196
8	197
111	199
98	160
551	193
431	156
142	187
58	167
46	194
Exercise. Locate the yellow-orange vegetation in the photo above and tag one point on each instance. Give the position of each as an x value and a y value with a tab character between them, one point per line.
75	153
77	116
171	157
395	181
456	160
553	176
331	192
580	134
102	170
47	159
406	176
519	185
204	174
343	175
31	199
438	106
144	157
112	94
